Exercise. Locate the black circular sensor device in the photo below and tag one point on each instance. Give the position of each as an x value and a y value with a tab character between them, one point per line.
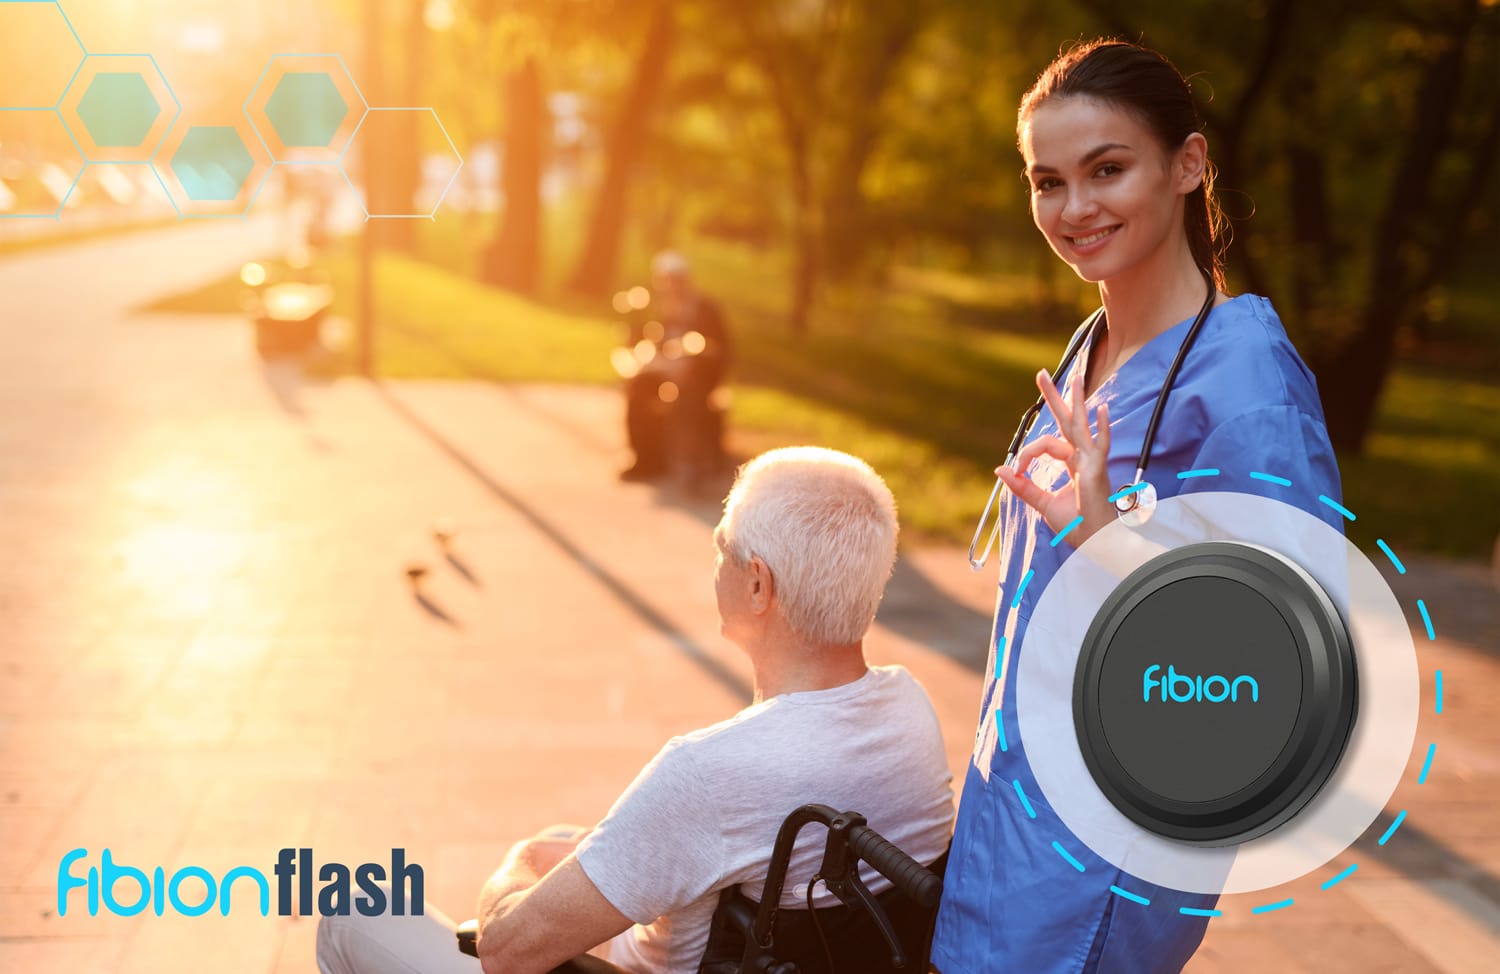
1215	692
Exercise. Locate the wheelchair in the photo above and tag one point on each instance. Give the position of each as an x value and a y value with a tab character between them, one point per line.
865	934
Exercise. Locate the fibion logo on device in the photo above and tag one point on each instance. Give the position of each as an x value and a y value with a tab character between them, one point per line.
1182	688
1214	693
158	890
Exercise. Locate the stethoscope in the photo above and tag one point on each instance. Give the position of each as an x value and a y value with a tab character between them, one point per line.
1133	502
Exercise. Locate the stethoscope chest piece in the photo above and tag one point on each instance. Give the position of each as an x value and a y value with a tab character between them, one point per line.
1214	692
1135	503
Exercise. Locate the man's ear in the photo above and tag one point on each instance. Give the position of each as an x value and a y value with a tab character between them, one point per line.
1192	160
762	586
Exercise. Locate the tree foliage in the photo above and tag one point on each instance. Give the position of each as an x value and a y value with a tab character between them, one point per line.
1356	140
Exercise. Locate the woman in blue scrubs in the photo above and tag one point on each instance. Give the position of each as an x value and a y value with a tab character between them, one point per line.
1121	187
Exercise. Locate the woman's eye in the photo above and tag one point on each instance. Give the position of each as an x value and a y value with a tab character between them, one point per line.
1042	185
1108	169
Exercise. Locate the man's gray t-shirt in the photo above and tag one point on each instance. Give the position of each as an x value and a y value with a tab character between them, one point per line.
703	814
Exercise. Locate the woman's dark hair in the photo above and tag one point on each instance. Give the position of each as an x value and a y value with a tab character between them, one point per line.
1144	83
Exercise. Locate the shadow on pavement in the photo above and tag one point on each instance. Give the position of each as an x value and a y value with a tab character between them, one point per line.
918	610
286	378
1421	855
621	590
435	610
462	567
914	607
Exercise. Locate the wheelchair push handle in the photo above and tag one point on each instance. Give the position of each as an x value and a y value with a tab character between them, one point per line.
468	937
908	875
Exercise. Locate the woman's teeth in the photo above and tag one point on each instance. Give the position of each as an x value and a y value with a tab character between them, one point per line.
1092	238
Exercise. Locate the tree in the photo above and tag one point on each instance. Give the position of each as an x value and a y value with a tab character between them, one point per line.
405	152
594	273
513	258
826	68
1365	135
1418	230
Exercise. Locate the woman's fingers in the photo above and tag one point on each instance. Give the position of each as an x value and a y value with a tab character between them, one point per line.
1055	402
1031	495
1103	437
1052	446
1080	410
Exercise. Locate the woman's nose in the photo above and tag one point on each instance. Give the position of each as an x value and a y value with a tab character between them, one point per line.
1080	207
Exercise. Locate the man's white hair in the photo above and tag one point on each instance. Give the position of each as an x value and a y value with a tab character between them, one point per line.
669	263
824	522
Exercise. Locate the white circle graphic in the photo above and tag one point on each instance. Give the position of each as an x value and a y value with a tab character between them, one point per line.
1379	746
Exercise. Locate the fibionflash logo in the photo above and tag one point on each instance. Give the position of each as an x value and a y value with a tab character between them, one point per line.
334	899
1180	688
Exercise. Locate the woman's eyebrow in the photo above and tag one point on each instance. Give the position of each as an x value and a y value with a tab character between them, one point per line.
1088	157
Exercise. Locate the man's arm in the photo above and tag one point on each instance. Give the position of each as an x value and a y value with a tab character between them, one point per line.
526	862
659	849
540	908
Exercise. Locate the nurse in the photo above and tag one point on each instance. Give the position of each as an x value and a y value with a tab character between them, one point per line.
1122	189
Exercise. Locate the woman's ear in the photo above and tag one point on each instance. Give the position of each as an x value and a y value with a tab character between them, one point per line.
1192	160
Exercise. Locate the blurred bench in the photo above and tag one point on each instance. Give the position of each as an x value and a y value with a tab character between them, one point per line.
288	317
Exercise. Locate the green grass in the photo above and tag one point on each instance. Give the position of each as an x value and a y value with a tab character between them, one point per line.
924	378
1430	475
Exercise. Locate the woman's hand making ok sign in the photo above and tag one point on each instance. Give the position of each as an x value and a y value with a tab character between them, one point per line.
1086	456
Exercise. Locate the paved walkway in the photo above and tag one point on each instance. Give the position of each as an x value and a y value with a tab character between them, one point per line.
210	648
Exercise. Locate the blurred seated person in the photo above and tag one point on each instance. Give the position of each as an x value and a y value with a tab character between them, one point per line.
678	351
803	552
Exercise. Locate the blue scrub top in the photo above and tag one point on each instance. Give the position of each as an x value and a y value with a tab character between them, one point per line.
1243	401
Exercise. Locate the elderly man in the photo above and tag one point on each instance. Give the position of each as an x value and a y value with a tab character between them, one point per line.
670	421
804	549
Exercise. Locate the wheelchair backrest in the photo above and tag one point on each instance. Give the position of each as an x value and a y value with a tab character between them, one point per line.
852	938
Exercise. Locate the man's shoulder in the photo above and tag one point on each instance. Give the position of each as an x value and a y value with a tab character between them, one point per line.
874	699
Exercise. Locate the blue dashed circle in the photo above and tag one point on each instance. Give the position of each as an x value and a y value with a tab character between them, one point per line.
1068	858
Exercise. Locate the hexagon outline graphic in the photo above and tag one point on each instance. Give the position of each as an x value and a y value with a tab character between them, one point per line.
431	214
82	165
149	145
83	54
182	200
255	108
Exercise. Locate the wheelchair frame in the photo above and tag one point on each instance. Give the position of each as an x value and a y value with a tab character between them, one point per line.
850	842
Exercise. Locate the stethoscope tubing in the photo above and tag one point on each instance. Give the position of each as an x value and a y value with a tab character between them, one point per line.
1090	331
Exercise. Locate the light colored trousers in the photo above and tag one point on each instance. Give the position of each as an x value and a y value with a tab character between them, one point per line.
388	944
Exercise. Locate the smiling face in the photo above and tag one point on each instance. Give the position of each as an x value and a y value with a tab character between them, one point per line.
1104	192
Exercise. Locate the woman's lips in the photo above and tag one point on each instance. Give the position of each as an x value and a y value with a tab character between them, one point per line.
1088	243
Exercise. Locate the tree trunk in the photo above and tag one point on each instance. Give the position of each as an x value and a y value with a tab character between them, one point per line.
513	259
406	152
1229	154
595	272
1351	378
795	84
1312	221
843	230
806	239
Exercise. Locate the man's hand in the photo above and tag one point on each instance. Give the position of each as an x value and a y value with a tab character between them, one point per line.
527	862
529	925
